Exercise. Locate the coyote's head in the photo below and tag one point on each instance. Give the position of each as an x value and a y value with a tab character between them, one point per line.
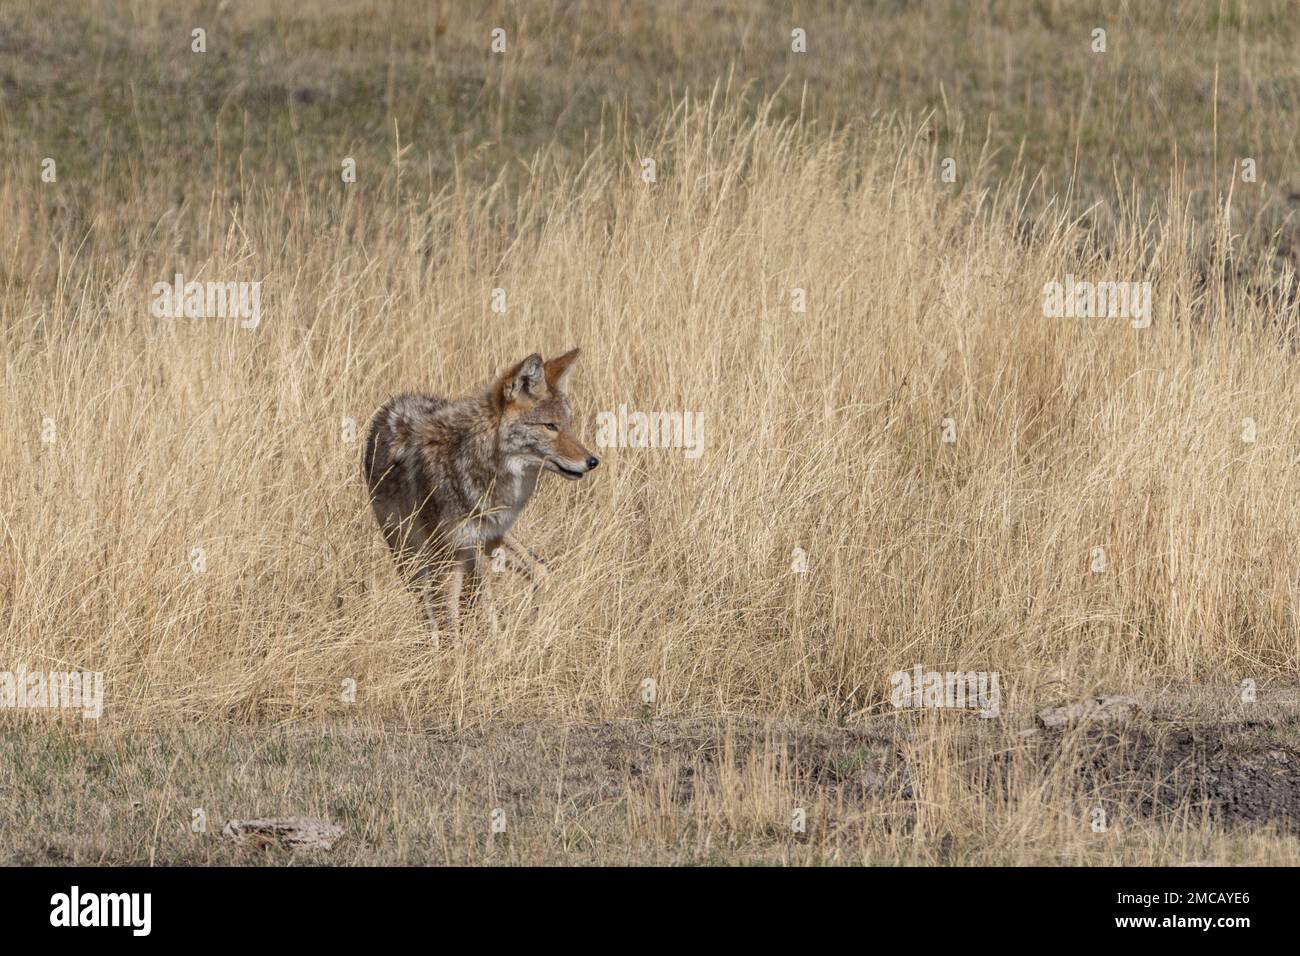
536	424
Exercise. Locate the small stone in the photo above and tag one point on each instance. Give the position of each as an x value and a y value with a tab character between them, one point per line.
1104	709
290	833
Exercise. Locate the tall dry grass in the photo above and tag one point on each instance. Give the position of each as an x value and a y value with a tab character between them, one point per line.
823	432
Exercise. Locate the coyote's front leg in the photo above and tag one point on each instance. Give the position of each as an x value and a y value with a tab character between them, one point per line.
453	588
451	592
482	589
524	560
439	591
424	583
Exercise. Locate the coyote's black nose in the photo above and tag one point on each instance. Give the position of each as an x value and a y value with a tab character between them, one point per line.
592	462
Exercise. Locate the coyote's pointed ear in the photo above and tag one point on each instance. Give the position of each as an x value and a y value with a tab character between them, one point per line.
558	368
524	379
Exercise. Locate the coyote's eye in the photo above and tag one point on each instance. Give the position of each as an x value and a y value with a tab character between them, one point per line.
551	426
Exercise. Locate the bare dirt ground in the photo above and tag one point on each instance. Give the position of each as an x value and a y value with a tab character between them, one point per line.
1206	784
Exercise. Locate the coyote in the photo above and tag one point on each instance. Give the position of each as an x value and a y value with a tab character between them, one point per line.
447	479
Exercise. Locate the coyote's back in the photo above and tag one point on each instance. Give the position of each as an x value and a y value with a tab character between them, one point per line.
391	462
